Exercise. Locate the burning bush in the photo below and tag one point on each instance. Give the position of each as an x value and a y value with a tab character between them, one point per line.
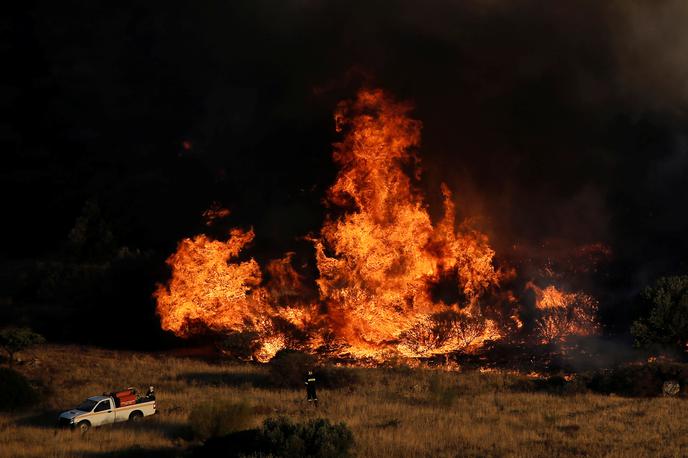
445	331
562	314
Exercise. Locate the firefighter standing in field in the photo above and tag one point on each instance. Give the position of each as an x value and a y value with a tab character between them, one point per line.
310	389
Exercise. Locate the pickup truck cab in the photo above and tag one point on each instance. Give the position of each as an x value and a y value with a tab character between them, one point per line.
104	410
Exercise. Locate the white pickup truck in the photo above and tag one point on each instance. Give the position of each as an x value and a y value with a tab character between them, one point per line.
104	410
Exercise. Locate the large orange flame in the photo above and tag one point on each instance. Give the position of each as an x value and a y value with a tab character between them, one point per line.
378	263
209	289
386	252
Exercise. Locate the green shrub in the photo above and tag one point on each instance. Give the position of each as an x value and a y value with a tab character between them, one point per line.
289	368
15	390
279	437
219	418
316	438
666	324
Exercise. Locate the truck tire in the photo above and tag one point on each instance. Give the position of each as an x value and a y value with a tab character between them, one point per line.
135	416
83	426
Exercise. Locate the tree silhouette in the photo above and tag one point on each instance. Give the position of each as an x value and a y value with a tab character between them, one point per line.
667	322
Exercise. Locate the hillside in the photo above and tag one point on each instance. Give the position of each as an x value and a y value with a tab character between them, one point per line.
392	412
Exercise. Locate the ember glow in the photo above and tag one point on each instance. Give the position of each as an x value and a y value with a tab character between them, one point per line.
379	262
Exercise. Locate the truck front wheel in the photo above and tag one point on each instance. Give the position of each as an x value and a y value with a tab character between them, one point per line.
83	426
136	416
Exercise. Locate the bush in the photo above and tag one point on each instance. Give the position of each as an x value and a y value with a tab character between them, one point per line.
667	322
215	419
279	437
288	368
316	438
15	390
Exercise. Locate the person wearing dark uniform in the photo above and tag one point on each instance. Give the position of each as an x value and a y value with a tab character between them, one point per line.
310	389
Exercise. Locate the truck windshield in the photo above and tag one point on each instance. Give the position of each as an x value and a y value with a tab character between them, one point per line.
87	405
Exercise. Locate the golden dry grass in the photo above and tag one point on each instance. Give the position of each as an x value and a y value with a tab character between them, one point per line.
391	412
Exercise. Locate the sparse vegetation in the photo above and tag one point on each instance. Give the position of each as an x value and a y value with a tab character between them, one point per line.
401	412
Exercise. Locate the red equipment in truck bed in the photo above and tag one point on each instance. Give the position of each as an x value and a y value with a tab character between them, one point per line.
119	394
127	400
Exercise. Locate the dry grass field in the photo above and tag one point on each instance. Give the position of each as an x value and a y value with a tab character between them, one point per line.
392	412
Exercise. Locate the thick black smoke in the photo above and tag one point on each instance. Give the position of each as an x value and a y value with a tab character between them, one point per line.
558	124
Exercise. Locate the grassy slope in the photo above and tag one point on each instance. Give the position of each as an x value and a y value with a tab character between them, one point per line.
392	413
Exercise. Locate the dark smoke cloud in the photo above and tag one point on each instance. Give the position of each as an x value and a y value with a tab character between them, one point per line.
552	121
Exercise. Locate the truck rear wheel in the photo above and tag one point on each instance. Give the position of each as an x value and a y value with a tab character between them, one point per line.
83	426
135	416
